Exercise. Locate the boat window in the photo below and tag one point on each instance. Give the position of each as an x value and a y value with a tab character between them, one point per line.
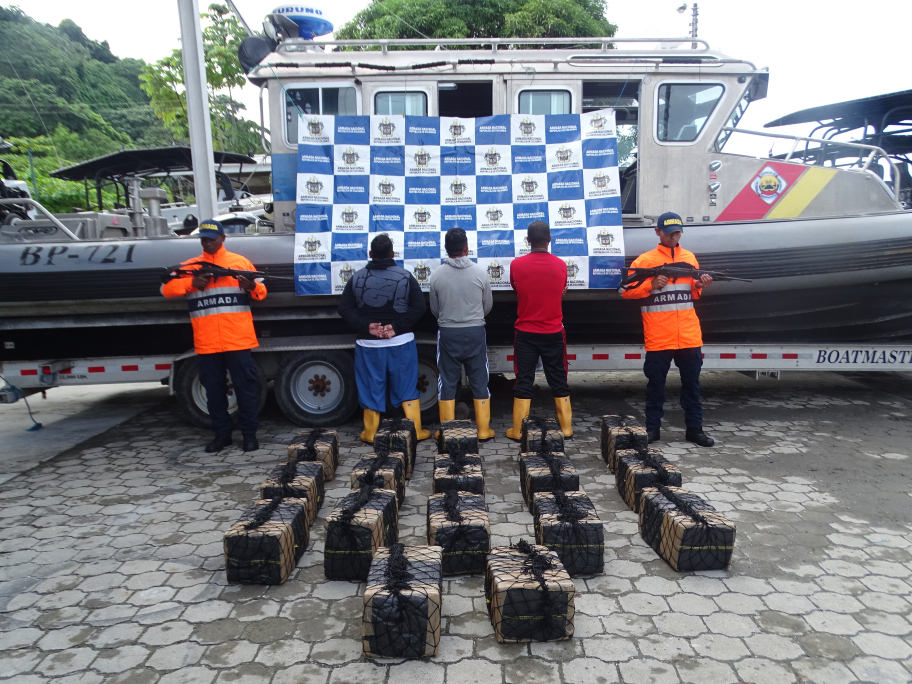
544	102
303	101
413	103
733	120
684	108
466	99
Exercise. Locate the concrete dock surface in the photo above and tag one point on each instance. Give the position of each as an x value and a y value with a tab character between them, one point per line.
111	565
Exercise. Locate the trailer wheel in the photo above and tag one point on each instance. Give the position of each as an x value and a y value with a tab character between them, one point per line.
317	388
191	395
427	385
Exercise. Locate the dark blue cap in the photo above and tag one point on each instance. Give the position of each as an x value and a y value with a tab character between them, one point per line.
211	229
670	222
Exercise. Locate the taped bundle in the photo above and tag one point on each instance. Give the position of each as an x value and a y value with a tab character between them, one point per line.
529	594
297	480
540	433
383	471
684	530
397	435
621	432
458	523
458	472
402	603
567	523
264	546
362	522
317	445
457	435
639	469
545	472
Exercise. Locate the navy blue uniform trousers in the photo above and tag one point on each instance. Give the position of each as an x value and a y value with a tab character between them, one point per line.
239	364
689	362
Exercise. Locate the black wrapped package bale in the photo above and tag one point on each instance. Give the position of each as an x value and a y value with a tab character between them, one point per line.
566	522
397	435
382	471
621	432
317	445
529	594
264	546
639	469
458	472
545	472
458	523
402	603
540	433
297	480
457	435
684	530
362	522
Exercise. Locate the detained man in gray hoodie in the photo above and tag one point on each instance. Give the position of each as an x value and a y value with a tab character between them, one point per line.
460	299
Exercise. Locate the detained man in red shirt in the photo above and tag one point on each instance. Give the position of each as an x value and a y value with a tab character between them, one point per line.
540	281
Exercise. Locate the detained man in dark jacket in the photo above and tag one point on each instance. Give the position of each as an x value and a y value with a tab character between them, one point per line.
382	302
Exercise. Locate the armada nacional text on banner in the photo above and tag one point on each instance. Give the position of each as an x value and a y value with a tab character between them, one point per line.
415	177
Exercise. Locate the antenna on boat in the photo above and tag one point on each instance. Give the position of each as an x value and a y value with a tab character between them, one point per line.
200	125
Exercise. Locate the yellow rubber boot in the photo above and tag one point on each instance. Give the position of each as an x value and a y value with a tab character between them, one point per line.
447	411
412	411
564	415
371	423
483	419
520	411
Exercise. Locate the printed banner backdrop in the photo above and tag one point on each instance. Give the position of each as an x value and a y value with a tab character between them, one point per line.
415	177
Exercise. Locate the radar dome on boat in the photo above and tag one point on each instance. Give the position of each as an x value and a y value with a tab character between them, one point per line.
309	18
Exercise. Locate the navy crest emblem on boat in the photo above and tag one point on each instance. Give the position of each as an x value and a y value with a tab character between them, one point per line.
311	244
422	157
422	272
563	155
566	212
529	186
495	271
350	157
349	215
314	186
422	215
457	129
315	127
572	269
386	128
457	188
386	187
769	185
494	214
605	239
492	157
345	274
527	127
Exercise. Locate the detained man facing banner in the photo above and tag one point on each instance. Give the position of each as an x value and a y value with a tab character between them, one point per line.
382	301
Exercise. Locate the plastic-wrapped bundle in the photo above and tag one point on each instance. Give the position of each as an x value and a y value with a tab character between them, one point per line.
402	603
540	433
318	445
457	435
458	472
362	522
685	530
301	480
264	546
621	432
397	435
545	472
383	471
639	469
458	523
566	522
529	594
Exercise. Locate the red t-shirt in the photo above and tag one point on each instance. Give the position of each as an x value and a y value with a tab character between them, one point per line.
539	279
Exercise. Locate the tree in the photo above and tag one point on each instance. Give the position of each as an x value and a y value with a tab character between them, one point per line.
388	19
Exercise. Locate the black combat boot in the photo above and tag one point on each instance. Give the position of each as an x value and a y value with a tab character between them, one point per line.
219	443
698	437
251	443
653	434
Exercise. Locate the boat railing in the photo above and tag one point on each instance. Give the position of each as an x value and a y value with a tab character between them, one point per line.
867	154
53	219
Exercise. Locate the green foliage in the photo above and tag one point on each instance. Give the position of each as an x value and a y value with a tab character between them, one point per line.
388	19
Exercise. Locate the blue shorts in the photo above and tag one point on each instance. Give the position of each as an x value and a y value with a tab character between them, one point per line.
379	367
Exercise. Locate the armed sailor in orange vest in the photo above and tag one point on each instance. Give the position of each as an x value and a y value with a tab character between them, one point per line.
223	334
672	330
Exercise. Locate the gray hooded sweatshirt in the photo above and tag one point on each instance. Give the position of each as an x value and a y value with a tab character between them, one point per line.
460	294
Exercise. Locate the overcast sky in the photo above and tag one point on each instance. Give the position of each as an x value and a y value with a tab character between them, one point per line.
817	52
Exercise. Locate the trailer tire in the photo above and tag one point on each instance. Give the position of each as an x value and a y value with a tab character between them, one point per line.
317	388
428	376
191	395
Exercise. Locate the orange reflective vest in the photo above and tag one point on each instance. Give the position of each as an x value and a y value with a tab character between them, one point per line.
669	319
220	314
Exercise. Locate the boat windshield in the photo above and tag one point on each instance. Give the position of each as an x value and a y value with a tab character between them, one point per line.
684	108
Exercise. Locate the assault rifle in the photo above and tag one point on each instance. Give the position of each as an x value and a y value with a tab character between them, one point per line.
679	269
206	268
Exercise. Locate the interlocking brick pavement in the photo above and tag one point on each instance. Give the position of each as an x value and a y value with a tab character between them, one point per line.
111	565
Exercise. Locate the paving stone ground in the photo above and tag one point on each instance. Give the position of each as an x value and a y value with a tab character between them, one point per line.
111	566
